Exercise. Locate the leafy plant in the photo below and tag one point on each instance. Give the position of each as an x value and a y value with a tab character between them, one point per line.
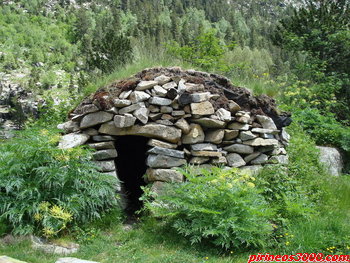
35	172
220	206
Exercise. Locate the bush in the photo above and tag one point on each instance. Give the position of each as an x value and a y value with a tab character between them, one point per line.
220	206
44	189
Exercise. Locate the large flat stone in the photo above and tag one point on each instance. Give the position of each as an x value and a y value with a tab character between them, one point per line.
138	96
162	161
204	147
266	122
202	108
164	175
268	131
209	123
167	152
238	126
144	85
239	148
196	135
157	131
183	125
131	108
5	259
74	260
223	115
106	166
235	160
95	118
214	136
160	101
124	121
105	154
73	140
261	142
206	154
154	143
102	145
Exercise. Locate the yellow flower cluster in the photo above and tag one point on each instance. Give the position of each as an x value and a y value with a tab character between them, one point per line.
331	249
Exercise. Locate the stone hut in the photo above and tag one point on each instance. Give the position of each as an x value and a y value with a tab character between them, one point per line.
163	118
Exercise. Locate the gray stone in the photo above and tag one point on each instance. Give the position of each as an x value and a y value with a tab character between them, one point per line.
153	109
279	151
206	154
73	140
251	157
162	161
215	136
73	260
279	159
102	145
239	148
167	152
90	131
196	135
142	114
170	85
183	125
284	135
154	143
101	138
266	122
219	161
267	136
160	91
131	108
171	93
162	79
191	87
5	259
158	187
268	131
113	110
89	108
164	175
223	114
200	97
231	134
121	103
243	119
252	169
144	85
138	96
261	142
69	126
105	154
166	109
165	122
261	159
152	130
332	160
159	101
247	135
178	113
125	94
235	160
155	116
95	118
209	123
123	121
199	160
238	126
234	107
202	108
106	166
268	148
52	248
204	147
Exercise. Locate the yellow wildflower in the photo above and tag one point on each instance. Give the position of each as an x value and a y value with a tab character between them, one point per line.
251	185
287	243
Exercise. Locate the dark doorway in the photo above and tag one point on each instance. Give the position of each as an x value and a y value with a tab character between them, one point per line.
131	166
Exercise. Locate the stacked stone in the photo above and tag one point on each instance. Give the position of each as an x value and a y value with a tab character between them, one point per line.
184	125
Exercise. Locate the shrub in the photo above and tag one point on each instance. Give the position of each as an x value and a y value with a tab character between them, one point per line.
44	189
220	206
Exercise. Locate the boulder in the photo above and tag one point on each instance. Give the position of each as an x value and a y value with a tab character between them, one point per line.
230	134
266	122
332	160
119	103
123	121
105	154
142	115
214	136
139	96
247	135
95	118
167	152
223	115
73	140
68	127
202	108
196	135
261	159
164	175
162	161
239	148
144	85
160	101
183	125
235	160
131	108
162	79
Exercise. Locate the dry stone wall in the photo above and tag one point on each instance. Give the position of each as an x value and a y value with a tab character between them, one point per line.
189	117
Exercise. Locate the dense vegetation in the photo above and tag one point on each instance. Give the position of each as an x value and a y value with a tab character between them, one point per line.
61	50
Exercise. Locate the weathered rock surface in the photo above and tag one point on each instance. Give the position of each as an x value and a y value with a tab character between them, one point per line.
5	259
162	161
239	148
196	135
95	118
73	140
202	108
235	160
164	175
73	260
167	152
105	154
332	160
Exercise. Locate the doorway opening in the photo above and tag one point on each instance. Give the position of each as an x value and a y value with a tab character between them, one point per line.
131	166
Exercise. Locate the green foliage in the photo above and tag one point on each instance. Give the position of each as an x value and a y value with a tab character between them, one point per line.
35	172
220	206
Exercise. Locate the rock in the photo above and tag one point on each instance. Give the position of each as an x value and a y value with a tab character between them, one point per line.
185	99
153	109
105	154
144	85
113	110
159	101
51	248
5	259
252	169
279	159
204	147
73	140
91	132
166	109
219	161
73	260
171	93
164	175
235	160
158	187
233	106
121	103
89	108
285	136
268	148
106	166
199	160
123	121
160	91
247	135
206	154
251	157
267	136
170	85
165	122
95	118
196	135
167	152
243	119
332	160
238	126
155	116
268	131
231	134
239	148
138	96
162	161
266	122
279	151
157	143
102	145
100	138
261	142
261	159
162	79
183	125
178	113
202	108
192	87
131	108
142	114
215	136
200	97
152	130
69	126
223	114
209	123
125	94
